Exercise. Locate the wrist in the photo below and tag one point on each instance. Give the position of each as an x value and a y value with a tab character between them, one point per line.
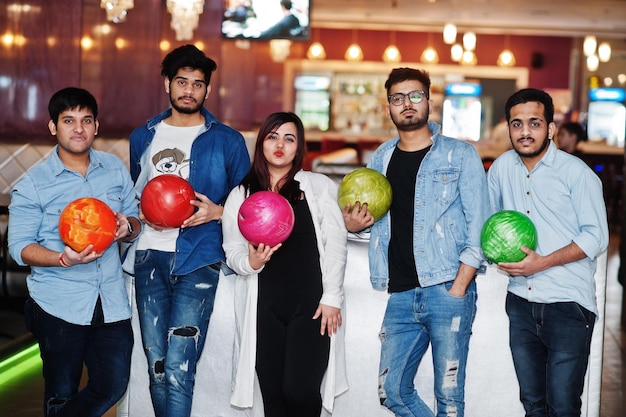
63	262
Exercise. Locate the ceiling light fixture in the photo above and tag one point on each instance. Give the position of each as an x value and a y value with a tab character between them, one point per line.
592	63
185	17
117	9
392	53
316	50
469	41
449	33
604	52
506	57
456	52
430	55
354	51
589	45
469	58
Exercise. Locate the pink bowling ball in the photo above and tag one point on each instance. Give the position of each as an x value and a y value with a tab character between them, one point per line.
266	217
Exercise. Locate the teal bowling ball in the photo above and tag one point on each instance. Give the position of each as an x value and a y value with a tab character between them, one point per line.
504	232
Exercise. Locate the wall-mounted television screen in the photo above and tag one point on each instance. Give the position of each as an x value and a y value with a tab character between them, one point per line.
266	19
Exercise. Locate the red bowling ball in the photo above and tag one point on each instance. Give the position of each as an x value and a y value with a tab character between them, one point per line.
266	217
165	201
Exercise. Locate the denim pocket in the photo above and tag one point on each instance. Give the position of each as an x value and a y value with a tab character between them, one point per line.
445	183
141	256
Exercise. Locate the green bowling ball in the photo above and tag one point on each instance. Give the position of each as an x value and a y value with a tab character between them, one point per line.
366	185
504	232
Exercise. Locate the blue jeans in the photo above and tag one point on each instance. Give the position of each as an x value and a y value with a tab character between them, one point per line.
174	314
413	319
103	348
550	344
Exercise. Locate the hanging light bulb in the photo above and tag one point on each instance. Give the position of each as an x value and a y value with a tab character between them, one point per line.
592	63
392	54
430	56
449	33
469	41
604	52
456	52
469	58
506	58
589	45
316	51
354	53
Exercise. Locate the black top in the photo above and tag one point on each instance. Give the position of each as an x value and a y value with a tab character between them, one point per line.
293	277
402	174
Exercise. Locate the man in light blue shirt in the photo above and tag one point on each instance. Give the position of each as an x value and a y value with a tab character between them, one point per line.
78	308
551	295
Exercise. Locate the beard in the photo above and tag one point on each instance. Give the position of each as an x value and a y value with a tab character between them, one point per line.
410	124
191	109
531	153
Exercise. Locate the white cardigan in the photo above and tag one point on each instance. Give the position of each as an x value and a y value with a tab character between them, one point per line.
321	195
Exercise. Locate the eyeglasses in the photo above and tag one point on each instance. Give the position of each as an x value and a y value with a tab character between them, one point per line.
414	96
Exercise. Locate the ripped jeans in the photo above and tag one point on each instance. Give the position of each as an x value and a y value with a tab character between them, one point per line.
174	314
413	320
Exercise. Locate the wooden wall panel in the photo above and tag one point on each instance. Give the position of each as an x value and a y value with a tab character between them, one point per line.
42	56
126	80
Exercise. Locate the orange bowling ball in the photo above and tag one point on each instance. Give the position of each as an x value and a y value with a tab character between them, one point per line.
87	221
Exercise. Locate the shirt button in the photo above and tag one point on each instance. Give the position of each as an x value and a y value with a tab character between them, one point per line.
529	288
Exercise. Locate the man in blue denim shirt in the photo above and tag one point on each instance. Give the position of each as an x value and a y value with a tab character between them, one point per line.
425	251
78	308
177	269
551	299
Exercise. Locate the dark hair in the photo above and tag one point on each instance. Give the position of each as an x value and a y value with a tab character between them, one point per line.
258	178
286	4
187	56
575	129
71	98
527	95
398	75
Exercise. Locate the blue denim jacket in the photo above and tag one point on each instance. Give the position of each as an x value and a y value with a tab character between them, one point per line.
451	206
219	161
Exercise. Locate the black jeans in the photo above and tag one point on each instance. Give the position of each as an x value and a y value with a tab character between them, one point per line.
104	348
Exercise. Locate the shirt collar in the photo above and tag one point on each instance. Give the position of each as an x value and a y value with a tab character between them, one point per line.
58	167
548	158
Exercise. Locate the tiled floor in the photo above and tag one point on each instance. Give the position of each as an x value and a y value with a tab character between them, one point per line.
23	397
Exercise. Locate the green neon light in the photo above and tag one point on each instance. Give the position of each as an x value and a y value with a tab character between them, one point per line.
20	363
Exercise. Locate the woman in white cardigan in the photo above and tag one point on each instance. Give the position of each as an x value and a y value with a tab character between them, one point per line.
288	298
